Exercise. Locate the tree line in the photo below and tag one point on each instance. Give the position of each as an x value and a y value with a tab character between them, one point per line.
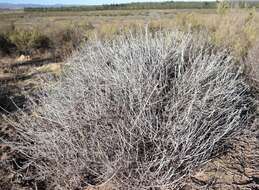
145	5
130	6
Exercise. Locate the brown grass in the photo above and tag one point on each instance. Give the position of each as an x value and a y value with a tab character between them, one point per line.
236	29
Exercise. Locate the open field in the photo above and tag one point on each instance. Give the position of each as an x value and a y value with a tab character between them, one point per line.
150	99
46	21
61	32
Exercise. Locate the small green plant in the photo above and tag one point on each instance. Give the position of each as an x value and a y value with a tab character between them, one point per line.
42	42
6	46
223	7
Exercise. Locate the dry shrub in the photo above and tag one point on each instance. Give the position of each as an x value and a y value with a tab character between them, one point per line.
109	31
69	38
252	63
139	112
235	28
190	21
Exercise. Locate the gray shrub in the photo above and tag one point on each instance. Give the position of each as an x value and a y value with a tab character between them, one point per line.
139	112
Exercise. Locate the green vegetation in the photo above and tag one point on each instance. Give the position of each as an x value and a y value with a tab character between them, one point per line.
34	41
6	46
133	6
144	5
26	40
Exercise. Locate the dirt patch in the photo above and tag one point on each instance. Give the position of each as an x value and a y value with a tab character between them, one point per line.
19	78
238	169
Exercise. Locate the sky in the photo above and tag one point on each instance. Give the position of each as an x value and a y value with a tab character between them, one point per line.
81	2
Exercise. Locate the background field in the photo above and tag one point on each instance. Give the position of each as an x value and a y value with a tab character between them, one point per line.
67	28
60	32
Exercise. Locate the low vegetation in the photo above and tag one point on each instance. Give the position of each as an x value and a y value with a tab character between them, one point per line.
31	42
132	6
232	28
148	5
6	46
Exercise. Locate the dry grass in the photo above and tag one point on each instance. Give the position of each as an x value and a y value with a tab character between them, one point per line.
236	28
252	62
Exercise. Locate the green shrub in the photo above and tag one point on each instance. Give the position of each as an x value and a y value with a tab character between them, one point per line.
6	46
223	7
42	42
28	41
22	39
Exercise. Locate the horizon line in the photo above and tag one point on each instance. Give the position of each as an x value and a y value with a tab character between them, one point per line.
156	1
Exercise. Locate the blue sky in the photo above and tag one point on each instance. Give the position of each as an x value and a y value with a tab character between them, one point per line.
87	2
